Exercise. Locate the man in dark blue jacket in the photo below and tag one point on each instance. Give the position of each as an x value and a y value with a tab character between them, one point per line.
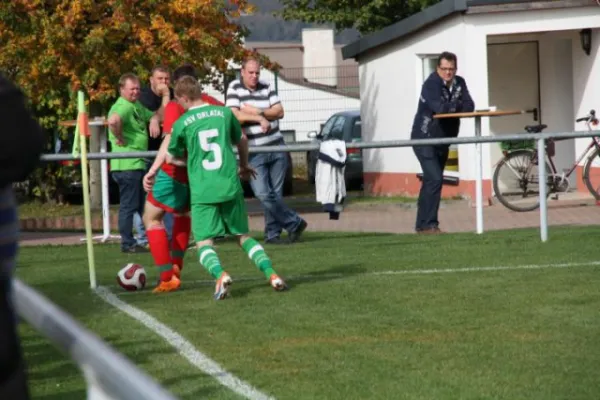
443	92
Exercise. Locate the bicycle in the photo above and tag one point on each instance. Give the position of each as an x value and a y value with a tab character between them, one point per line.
520	163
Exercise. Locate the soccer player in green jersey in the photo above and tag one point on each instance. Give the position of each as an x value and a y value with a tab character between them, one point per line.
206	135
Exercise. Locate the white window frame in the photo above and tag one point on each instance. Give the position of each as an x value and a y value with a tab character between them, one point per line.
428	64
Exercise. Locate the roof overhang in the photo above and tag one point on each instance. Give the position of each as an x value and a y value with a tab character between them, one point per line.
446	8
402	28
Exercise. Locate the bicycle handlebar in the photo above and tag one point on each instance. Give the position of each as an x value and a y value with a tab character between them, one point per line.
591	117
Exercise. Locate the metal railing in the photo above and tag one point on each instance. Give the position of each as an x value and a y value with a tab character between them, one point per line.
539	137
109	375
355	145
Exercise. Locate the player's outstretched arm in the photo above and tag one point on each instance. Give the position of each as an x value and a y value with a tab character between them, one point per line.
176	145
165	99
242	146
246	171
161	157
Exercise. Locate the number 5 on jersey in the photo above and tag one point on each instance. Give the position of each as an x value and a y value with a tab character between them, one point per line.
203	137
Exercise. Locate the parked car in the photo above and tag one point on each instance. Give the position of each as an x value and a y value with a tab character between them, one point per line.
346	126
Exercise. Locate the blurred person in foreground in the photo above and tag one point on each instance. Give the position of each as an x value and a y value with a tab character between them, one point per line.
21	144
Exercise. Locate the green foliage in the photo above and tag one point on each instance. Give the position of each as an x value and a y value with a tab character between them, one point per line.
54	48
364	15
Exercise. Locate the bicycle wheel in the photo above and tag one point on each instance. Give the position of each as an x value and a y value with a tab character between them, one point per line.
591	174
516	181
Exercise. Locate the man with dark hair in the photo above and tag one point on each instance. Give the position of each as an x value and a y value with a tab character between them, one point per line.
151	98
20	149
442	92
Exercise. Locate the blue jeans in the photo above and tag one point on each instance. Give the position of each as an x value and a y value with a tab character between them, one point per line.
140	229
268	188
433	160
132	198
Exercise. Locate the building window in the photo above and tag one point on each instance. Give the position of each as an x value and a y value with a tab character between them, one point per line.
289	135
429	63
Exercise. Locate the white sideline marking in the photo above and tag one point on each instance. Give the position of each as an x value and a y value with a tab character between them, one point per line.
481	269
403	272
185	348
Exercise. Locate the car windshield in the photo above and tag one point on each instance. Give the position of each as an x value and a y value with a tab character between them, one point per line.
337	130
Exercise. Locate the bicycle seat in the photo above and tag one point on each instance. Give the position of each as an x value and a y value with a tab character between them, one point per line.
535	128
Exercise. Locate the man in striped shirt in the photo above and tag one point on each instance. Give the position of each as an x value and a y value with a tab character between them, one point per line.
259	110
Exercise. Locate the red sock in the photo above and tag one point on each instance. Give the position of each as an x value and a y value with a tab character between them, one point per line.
180	239
159	247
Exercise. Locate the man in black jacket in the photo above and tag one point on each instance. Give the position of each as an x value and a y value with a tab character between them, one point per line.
151	98
443	92
21	143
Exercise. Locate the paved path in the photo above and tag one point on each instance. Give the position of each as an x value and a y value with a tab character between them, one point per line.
399	218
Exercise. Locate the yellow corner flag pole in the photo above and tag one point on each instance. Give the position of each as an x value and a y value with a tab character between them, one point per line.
83	130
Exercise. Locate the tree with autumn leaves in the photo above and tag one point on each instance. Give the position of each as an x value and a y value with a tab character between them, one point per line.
53	48
366	16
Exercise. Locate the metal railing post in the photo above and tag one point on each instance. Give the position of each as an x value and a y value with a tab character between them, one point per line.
478	178
541	150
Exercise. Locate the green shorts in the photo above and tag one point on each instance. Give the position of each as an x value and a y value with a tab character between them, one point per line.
212	220
169	194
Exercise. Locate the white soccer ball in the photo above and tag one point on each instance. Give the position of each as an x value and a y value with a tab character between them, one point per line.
132	277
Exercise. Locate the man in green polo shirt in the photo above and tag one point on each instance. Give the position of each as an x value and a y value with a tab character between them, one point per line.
127	121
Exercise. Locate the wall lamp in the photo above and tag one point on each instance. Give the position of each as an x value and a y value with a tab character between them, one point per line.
586	40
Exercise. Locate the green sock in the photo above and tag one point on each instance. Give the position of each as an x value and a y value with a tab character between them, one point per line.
210	261
258	256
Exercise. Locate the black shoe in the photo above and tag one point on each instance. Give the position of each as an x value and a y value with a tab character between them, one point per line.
134	249
429	231
276	240
294	236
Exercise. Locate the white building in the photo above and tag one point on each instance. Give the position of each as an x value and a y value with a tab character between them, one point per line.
313	83
513	55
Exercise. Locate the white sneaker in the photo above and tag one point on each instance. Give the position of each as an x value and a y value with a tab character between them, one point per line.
222	286
277	283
